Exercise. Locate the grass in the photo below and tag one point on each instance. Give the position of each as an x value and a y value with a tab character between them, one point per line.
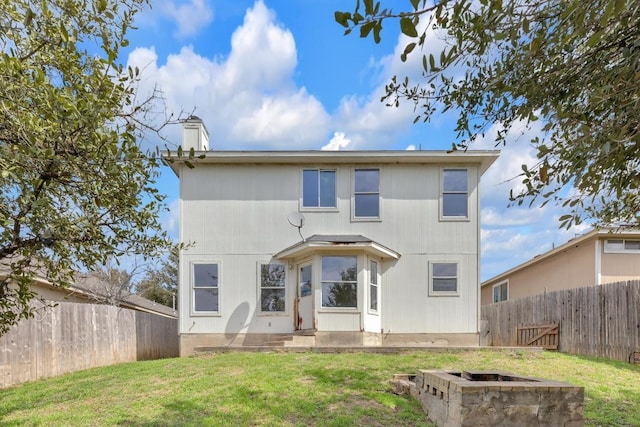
287	389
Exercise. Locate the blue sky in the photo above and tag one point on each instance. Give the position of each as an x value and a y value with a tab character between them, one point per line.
276	74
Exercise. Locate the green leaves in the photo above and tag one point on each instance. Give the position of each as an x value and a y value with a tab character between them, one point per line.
78	188
571	66
407	27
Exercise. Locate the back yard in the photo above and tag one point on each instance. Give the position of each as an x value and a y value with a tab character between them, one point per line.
301	389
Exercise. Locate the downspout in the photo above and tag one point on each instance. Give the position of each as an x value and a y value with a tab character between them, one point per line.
598	262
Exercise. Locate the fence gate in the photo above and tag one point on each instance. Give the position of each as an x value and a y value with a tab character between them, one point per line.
545	336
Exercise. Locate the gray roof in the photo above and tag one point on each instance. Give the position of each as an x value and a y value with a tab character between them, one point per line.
90	286
337	238
332	242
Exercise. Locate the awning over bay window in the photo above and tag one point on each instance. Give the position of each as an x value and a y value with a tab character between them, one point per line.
336	243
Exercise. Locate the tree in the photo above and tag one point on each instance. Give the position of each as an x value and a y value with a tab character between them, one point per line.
76	188
109	283
161	284
571	64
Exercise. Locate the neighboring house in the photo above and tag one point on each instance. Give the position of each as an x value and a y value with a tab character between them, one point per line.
595	258
348	247
88	289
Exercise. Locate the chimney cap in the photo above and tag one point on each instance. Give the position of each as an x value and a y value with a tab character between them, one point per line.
193	118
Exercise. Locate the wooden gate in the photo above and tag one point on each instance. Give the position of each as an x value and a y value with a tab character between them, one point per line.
545	336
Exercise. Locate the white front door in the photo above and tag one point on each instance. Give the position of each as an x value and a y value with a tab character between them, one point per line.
305	297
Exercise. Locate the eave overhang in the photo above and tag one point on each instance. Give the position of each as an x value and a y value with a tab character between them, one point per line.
484	158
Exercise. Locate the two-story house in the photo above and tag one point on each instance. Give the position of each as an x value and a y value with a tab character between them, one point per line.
351	248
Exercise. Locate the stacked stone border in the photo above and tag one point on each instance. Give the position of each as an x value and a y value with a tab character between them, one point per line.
493	398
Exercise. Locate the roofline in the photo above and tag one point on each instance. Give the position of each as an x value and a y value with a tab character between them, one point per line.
593	234
75	289
483	157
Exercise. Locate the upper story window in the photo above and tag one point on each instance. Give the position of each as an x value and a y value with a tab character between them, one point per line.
272	288
319	188
206	280
455	193
444	278
622	246
501	292
339	282
366	193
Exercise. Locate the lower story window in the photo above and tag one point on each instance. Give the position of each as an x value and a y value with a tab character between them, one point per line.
272	287
339	281
206	280
500	292
444	278
373	286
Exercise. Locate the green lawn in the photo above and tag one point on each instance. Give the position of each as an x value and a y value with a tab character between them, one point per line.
295	389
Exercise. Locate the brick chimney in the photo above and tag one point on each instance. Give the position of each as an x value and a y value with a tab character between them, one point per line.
194	134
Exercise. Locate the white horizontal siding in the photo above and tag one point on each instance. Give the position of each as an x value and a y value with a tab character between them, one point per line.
238	214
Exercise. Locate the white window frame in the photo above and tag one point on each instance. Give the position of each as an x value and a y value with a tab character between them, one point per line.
355	218
322	281
260	289
609	250
192	284
318	208
493	291
371	285
434	293
444	217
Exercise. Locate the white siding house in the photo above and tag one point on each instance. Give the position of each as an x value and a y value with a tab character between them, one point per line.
344	247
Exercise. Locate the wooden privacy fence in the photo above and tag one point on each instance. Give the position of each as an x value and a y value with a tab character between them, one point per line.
600	321
74	336
545	336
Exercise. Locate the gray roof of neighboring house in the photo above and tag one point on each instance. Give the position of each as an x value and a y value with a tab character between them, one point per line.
92	285
614	233
89	286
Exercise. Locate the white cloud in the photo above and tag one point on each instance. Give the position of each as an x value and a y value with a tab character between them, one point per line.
338	142
171	218
411	147
248	98
190	16
370	122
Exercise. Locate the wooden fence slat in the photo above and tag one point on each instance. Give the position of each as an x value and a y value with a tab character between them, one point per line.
75	336
600	321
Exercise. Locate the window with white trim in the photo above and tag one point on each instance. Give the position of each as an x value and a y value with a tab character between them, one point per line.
444	278
373	286
366	193
319	188
206	287
339	282
455	193
501	292
622	246
272	288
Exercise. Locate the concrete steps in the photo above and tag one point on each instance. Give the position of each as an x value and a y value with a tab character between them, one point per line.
301	338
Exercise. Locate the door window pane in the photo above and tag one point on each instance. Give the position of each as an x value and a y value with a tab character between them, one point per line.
305	281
